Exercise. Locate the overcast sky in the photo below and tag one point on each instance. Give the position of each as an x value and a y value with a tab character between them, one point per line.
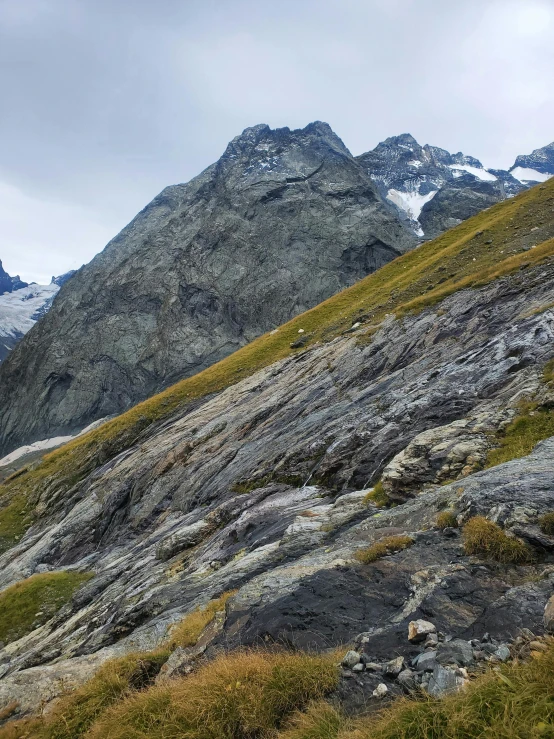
105	102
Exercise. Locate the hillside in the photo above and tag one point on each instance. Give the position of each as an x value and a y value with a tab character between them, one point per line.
269	479
281	221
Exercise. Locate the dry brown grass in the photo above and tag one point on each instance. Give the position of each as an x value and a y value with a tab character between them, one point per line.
387	545
485	538
75	713
242	695
187	631
447	519
546	523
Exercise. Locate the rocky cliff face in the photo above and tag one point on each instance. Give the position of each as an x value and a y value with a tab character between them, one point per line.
535	167
282	221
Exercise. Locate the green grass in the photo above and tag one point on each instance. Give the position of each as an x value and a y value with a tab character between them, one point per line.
447	519
423	277
387	545
32	602
533	424
485	538
377	496
546	523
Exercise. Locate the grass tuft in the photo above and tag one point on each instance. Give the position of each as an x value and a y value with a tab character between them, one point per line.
533	424
446	520
32	602
74	714
319	721
378	496
485	538
242	695
546	524
187	631
387	545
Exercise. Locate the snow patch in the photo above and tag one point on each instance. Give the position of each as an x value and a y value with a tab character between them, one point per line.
410	202
45	444
525	174
415	163
19	310
481	174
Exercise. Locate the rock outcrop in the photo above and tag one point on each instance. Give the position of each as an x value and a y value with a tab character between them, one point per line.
282	221
262	488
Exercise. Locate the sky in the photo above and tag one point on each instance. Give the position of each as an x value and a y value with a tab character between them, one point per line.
103	103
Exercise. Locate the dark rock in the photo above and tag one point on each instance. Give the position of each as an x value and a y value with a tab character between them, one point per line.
455	651
444	681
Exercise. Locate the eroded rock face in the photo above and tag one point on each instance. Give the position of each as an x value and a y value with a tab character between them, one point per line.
165	531
282	221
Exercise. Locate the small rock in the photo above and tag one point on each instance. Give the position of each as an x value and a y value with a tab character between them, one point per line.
445	680
380	691
407	679
431	640
489	648
503	652
455	651
394	667
418	630
359	667
373	667
425	662
350	659
549	615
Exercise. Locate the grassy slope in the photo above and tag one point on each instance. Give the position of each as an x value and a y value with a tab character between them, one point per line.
477	251
34	601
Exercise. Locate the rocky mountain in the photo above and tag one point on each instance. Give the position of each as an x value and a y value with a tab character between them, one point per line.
9	284
22	307
282	221
434	190
304	483
535	167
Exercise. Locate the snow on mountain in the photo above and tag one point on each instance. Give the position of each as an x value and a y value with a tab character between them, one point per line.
22	308
526	174
480	172
433	190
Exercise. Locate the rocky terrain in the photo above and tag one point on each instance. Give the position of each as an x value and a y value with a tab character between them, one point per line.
266	489
282	221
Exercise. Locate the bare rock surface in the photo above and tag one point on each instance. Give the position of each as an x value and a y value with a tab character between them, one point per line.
270	500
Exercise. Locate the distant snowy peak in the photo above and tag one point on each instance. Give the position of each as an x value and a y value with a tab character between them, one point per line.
21	308
409	176
535	167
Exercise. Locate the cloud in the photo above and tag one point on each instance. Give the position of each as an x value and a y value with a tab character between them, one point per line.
105	103
41	239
